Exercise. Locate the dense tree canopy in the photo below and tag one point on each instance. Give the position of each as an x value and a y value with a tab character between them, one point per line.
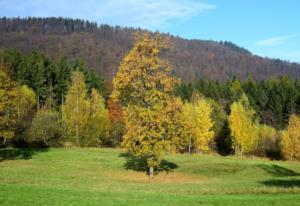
145	89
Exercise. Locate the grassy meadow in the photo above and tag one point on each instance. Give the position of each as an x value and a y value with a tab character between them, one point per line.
96	176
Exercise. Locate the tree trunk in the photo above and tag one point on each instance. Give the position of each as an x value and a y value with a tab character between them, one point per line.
151	172
236	150
38	102
77	119
190	146
62	114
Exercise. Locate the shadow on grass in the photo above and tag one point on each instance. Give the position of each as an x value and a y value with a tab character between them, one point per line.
278	171
140	164
14	154
282	183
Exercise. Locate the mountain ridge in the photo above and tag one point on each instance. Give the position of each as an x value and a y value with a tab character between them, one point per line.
102	47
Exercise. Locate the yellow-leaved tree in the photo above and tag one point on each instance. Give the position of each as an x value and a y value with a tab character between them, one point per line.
98	124
8	93
17	106
241	122
197	123
85	118
76	108
290	138
25	105
144	87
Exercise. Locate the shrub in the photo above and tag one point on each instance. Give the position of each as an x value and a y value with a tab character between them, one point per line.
46	129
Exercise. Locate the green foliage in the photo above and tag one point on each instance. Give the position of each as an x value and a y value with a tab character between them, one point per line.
222	140
236	90
76	109
46	128
267	142
98	124
86	119
49	79
273	100
25	104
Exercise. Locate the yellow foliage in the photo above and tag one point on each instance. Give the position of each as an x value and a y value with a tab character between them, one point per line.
241	125
144	87
25	106
8	94
98	125
290	138
75	109
86	119
198	123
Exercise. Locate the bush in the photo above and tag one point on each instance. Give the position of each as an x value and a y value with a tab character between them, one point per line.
267	142
46	129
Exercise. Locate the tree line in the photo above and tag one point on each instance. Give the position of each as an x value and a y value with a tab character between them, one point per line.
102	47
36	100
149	112
273	100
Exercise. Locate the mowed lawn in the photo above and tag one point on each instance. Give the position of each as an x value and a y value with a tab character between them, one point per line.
96	176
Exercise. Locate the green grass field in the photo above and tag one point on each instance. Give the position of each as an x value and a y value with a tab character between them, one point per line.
98	177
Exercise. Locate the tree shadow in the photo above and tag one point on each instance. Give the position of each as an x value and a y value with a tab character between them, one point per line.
140	164
282	183
14	154
278	171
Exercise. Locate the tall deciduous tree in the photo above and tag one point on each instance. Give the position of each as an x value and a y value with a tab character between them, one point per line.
241	125
116	116
76	108
8	93
291	138
198	123
25	104
145	89
98	124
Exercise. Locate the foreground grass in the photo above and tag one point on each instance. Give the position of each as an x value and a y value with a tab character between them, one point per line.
98	177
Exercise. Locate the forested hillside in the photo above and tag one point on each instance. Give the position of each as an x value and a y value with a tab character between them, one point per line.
102	48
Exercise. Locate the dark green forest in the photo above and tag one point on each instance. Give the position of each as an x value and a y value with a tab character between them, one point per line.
274	99
48	78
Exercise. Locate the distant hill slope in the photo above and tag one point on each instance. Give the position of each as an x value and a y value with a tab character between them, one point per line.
102	48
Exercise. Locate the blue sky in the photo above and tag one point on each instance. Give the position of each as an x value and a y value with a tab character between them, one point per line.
265	27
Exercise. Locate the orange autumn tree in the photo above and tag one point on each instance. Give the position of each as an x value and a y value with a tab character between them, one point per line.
144	87
116	116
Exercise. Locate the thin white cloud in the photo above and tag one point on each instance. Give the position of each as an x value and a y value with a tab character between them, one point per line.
275	41
150	14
